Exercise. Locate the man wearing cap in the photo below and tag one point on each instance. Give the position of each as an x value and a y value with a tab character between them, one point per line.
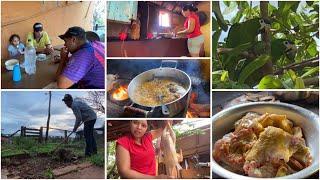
85	114
39	39
82	69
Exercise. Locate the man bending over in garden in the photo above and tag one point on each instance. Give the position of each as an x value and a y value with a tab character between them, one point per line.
85	114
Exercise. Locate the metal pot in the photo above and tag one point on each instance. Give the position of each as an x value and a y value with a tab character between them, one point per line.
223	123
169	109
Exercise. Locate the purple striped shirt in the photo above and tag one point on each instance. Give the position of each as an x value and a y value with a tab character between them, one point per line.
85	68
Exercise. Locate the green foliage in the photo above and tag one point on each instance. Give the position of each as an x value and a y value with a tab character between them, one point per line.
288	80
97	159
49	174
252	67
220	20
270	82
293	21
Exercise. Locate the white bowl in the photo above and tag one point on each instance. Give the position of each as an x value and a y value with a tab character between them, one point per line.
41	57
10	63
223	123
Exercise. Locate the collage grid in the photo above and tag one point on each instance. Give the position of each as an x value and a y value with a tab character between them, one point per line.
171	107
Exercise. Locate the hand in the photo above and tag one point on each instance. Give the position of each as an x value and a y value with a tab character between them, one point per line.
48	50
64	53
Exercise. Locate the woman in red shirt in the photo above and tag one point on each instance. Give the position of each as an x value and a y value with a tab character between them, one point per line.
135	154
192	30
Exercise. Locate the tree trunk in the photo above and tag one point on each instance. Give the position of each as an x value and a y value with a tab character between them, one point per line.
266	38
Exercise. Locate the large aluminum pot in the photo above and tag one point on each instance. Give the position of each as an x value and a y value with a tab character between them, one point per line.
169	109
223	123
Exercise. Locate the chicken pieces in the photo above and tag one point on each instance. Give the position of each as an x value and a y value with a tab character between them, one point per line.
263	146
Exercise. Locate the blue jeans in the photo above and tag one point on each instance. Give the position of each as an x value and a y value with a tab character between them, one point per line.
91	146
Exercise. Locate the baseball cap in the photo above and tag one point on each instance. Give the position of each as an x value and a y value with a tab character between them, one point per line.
37	27
74	31
67	97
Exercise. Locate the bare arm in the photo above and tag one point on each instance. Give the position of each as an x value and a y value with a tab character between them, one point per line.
190	29
64	82
123	165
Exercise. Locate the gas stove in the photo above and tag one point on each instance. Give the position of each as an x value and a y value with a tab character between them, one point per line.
118	100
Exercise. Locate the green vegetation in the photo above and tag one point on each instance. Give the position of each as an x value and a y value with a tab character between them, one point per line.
97	159
48	173
267	45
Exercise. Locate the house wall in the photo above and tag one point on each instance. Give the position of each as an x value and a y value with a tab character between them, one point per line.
18	17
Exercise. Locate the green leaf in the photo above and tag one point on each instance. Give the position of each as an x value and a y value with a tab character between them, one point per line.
292	75
312	49
270	82
224	76
310	72
215	42
299	84
285	6
252	67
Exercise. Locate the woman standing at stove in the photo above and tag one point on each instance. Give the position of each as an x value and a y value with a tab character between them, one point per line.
135	154
192	30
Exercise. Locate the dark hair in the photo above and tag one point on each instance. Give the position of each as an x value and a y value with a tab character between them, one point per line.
92	36
190	7
13	36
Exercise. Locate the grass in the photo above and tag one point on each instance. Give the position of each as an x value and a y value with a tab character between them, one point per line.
97	159
48	173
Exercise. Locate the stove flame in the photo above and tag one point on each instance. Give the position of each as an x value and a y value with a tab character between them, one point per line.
189	114
121	93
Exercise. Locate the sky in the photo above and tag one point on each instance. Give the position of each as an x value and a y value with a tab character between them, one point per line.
30	109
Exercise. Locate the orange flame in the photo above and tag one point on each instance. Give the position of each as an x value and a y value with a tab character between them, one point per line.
189	114
121	93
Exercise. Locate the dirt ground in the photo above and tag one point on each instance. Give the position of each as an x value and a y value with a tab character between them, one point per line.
31	167
92	172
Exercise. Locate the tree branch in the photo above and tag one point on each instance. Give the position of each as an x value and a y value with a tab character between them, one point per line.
266	38
244	54
311	81
313	62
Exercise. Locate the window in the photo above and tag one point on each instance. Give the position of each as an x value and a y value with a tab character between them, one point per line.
164	19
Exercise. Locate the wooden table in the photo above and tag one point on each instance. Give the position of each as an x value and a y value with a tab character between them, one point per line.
45	74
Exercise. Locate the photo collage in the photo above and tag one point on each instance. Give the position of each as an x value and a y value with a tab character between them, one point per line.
113	89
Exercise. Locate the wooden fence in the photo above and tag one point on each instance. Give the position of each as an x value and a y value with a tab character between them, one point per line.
32	132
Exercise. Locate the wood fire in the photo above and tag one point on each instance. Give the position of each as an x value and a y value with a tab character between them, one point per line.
121	93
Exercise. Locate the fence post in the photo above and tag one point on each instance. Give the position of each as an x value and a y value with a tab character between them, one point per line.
65	136
23	131
40	134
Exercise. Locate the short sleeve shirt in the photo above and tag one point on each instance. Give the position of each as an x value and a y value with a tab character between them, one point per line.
142	157
84	68
15	51
44	40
